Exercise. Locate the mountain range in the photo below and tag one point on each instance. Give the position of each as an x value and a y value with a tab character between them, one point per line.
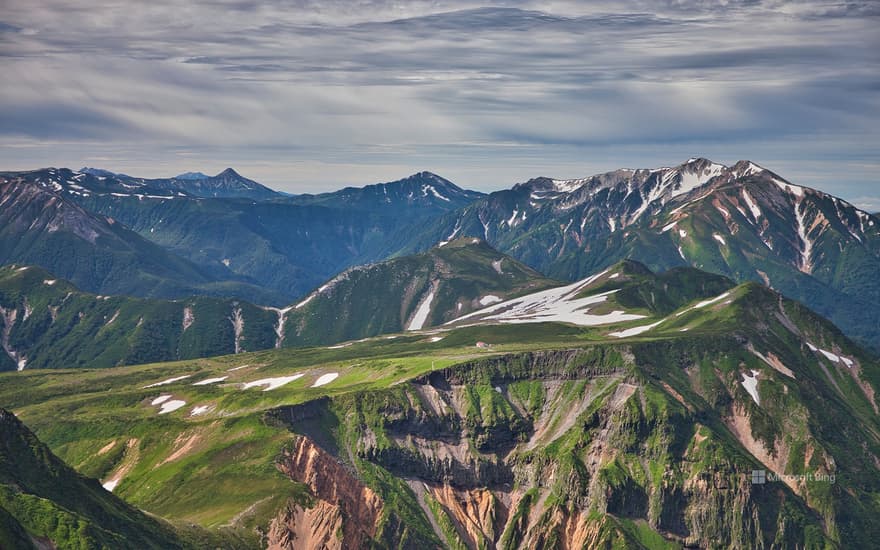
47	322
638	359
285	245
742	221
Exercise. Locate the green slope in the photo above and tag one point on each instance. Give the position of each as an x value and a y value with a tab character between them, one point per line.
640	441
386	297
46	322
43	502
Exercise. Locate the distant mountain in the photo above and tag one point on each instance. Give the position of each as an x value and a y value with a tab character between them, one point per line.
409	293
44	503
226	184
100	172
191	176
419	194
46	322
742	221
288	245
41	225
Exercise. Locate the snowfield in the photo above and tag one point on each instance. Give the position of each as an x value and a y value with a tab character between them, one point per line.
560	304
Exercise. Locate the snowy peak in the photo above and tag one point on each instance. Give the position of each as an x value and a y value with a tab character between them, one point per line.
420	193
690	175
229	184
428	185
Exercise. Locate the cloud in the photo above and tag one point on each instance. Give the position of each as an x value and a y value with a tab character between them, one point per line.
488	92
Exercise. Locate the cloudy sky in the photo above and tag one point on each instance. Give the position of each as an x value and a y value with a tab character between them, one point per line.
310	95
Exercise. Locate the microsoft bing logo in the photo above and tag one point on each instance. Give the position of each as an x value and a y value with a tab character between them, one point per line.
759	477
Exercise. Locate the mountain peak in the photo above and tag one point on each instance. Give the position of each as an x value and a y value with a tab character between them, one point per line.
744	168
96	171
229	172
192	176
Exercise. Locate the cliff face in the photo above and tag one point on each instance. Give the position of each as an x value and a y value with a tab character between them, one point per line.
580	449
343	514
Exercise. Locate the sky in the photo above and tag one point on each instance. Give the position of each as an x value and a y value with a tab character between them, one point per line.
308	96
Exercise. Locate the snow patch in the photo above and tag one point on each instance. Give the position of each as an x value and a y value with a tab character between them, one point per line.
110	485
750	383
805	264
719	238
705	303
796	190
50	282
489	299
512	217
692	180
421	315
668	226
634	330
200	409
753	207
496	265
567	186
237	321
168	381
279	326
325	379
188	317
682	233
171	406
161	399
207	381
271	383
560	304
433	191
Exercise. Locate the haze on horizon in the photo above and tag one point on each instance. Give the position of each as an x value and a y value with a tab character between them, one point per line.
311	96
